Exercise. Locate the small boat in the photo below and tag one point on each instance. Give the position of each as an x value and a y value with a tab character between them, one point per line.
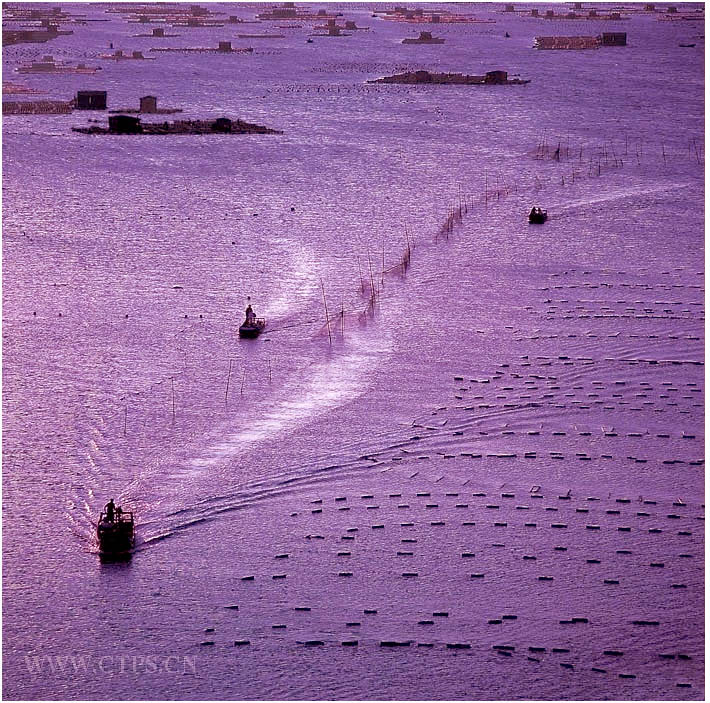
252	329
687	46
537	218
116	535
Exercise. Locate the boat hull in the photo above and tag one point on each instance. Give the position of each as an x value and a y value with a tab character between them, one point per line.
252	331
115	538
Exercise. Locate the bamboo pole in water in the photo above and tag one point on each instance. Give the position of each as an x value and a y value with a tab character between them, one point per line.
325	306
229	376
372	279
244	376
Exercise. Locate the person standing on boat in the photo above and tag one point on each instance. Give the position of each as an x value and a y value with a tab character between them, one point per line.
251	315
109	508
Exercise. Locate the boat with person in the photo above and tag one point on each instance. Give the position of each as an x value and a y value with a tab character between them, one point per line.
115	530
537	216
252	326
253	329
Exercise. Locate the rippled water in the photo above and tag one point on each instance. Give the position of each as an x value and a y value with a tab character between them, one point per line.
506	357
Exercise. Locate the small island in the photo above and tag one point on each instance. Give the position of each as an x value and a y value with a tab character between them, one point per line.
125	124
426	78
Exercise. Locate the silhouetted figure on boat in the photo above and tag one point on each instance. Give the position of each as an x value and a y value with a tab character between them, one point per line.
109	509
251	315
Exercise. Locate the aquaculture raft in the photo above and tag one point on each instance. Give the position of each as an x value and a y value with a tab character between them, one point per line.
122	124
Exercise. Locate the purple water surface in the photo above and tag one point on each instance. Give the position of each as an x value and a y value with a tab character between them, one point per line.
530	395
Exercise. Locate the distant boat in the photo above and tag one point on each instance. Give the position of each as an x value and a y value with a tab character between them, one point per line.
253	329
116	536
537	218
687	46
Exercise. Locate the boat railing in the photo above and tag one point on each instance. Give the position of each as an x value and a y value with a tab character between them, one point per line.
125	517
